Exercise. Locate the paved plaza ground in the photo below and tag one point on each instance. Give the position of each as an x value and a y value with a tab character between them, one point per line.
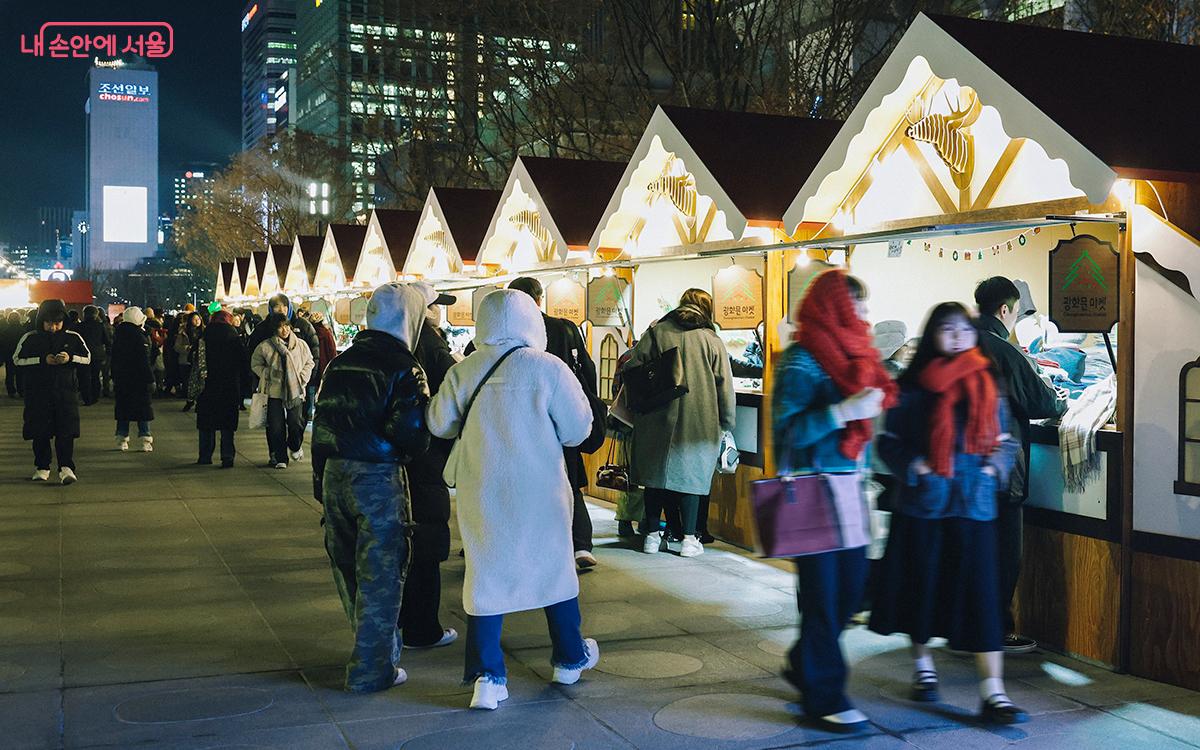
161	604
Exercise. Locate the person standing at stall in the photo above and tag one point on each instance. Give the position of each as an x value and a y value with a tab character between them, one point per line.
949	441
133	379
829	386
419	624
328	348
1028	398
675	448
370	422
49	356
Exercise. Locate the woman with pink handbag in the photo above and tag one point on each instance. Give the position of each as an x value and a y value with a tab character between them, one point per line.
830	385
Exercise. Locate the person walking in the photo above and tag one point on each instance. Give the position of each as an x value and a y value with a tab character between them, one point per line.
369	422
939	578
328	346
91	330
511	392
829	386
10	334
675	448
48	356
280	304
187	342
998	300
133	379
283	364
419	624
227	370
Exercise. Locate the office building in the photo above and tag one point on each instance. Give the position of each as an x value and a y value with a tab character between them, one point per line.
190	184
122	164
268	51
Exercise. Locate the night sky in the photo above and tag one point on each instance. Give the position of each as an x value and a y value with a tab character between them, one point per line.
41	110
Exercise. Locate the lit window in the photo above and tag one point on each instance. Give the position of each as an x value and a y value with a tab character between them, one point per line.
1189	430
390	30
372	108
389	89
357	48
356	28
356	86
375	30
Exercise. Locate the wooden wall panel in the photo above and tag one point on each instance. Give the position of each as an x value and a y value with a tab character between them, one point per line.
1166	620
1068	597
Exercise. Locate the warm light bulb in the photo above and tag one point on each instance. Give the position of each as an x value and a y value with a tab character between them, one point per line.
802	260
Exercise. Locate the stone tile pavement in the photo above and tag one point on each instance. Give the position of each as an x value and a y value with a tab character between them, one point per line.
160	604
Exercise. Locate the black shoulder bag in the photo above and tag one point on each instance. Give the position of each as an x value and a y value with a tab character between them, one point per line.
658	381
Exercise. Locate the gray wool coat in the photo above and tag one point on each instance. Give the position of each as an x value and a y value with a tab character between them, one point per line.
676	447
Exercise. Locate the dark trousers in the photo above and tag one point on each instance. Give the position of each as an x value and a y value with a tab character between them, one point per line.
10	377
829	588
89	383
106	377
1010	522
63	446
182	373
208	443
581	525
419	623
486	659
681	509
285	429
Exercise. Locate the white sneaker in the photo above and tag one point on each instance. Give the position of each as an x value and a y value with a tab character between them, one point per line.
585	559
652	543
41	475
691	547
564	676
122	443
298	455
281	465
66	475
449	635
401	677
148	444
487	695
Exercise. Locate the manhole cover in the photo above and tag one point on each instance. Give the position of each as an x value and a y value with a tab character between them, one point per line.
648	665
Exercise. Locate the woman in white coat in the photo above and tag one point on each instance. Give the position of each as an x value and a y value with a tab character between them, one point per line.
513	497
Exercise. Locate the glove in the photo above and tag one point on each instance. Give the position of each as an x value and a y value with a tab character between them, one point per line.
866	404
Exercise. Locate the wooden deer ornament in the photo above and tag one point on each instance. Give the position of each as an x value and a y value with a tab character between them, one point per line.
949	134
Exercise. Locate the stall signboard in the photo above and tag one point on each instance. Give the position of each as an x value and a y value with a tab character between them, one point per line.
461	313
1085	285
567	298
737	298
608	302
358	310
477	299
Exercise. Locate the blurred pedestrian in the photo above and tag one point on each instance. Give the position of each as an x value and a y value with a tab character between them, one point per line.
133	379
10	333
91	330
284	365
328	346
187	343
225	364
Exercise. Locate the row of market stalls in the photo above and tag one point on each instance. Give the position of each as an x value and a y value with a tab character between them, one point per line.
1067	161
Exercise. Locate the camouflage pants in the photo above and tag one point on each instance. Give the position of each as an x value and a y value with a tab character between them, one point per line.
366	518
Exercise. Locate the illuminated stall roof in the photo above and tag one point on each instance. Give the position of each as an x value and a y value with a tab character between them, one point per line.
281	259
247	285
451	230
308	247
264	271
547	208
704	176
989	115
224	279
385	246
339	256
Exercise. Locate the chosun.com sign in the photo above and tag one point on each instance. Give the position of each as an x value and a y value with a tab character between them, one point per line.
123	98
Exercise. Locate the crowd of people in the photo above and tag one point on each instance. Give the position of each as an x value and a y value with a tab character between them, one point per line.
398	419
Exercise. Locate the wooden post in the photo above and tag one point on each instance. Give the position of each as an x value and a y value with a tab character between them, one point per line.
1125	416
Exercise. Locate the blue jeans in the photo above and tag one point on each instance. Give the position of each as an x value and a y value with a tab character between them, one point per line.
830	590
123	428
485	659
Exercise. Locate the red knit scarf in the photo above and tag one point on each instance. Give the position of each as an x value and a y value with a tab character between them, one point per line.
951	380
840	341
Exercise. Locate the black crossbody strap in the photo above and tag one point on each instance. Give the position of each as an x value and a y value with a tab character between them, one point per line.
467	411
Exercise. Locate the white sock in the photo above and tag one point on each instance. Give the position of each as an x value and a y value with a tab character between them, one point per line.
990	686
924	664
849	716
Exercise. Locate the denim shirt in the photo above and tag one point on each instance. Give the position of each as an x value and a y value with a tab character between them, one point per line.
970	493
806	433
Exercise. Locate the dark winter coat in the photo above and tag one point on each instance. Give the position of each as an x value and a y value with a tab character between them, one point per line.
1028	397
91	330
132	374
51	391
371	406
427	490
328	348
228	370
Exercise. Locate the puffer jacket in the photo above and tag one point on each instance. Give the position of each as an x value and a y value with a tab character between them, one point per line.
371	406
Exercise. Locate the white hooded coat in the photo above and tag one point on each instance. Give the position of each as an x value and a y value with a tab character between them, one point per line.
513	498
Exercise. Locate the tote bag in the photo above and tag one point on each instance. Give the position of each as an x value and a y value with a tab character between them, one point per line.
810	514
657	381
258	410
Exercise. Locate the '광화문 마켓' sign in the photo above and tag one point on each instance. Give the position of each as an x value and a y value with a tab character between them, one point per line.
1085	285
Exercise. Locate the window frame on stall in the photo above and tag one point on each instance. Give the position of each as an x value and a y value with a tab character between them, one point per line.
1188	484
609	355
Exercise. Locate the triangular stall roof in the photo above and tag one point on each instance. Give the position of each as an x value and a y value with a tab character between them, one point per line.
339	256
247	281
451	231
548	208
386	244
306	252
700	176
224	279
283	262
1052	115
264	270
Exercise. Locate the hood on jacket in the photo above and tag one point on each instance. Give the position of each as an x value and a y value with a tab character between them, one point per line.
134	315
281	297
689	317
508	318
398	309
50	310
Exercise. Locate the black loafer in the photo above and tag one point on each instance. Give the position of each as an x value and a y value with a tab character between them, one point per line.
1001	711
925	687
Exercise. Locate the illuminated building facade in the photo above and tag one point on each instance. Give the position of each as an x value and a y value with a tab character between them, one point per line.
268	51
